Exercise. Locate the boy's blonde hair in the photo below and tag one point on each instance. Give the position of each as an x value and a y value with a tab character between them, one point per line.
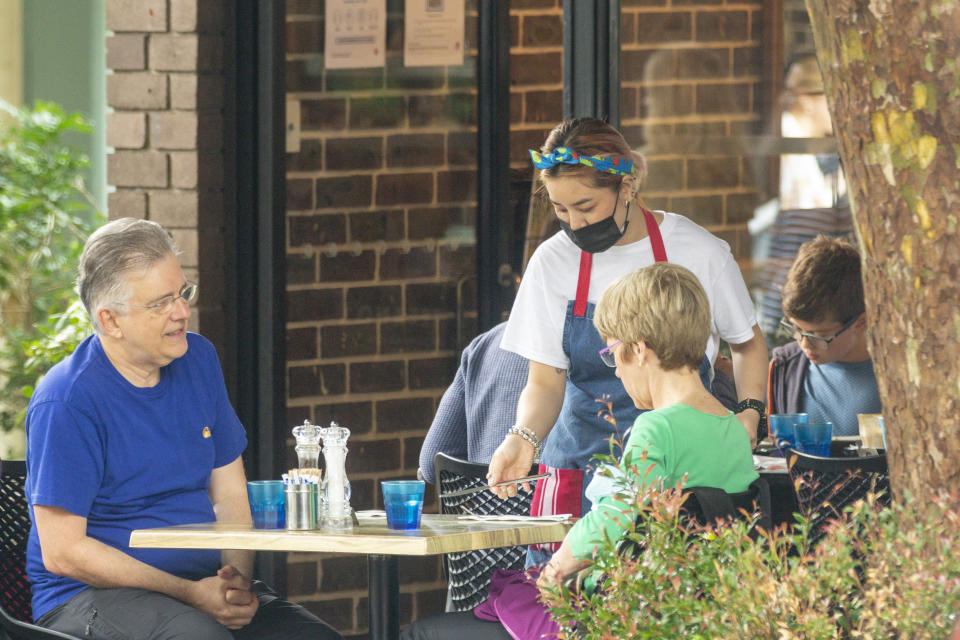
663	305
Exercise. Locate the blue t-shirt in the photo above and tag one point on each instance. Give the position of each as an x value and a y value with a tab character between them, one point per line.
127	457
837	391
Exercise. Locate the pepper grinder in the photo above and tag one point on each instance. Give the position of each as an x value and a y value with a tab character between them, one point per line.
308	445
337	514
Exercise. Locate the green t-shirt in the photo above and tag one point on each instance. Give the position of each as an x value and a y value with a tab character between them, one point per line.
711	451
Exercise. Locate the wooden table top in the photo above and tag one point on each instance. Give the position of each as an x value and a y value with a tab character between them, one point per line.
437	534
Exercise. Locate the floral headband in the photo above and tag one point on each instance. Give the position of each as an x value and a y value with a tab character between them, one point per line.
563	155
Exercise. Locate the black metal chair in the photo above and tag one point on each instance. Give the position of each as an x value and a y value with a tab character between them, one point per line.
468	573
16	614
708	504
825	486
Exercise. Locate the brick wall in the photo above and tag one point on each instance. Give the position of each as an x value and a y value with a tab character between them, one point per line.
165	86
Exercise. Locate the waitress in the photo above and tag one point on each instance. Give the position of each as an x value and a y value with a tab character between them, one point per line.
592	178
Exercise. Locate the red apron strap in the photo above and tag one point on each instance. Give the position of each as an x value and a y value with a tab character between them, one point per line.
656	240
583	284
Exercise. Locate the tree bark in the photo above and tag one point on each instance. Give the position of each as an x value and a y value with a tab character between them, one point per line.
892	74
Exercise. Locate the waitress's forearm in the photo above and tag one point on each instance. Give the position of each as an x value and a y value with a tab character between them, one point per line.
750	360
541	399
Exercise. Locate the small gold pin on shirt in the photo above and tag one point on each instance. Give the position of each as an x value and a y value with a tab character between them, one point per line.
206	432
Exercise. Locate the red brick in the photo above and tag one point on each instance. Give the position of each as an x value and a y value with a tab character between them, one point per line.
431	110
542	31
305	36
137	169
376	113
376	377
457	262
372	226
522	141
301	578
193	91
373	302
431	373
462	147
189	243
301	269
722	26
347	267
344	154
126	130
173	130
397	264
137	15
344	573
416	150
411	460
456	186
356	416
327	115
437	222
127	203
536	68
402	77
748	61
309	158
405	188
430	298
300	194
316	230
404	414
712	173
703	63
126	52
739	207
354	80
345	341
406	336
316	380
675	26
137	91
314	304
185	52
633	63
344	191
704	210
301	344
372	456
543	106
174	208
664	175
723	98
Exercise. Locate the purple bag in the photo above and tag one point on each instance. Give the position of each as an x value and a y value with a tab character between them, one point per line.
514	602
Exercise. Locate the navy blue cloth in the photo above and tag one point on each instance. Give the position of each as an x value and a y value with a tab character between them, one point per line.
126	457
479	407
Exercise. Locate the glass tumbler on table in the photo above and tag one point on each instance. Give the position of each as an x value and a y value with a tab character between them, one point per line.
403	502
814	438
783	429
267	503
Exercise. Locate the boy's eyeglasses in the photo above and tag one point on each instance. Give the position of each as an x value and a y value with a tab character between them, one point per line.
817	342
607	355
164	305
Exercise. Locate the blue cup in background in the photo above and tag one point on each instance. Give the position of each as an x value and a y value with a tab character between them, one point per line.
267	504
783	429
814	438
403	502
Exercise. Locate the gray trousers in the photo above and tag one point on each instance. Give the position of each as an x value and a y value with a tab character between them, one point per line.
137	614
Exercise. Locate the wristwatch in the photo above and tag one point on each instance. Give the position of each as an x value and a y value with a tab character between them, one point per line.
759	407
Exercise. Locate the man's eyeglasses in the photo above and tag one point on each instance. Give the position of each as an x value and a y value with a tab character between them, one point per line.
607	355
164	305
817	342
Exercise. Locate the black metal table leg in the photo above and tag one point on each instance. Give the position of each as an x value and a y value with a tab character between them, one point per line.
384	590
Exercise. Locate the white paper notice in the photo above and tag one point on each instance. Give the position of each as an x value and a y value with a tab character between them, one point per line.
356	34
433	33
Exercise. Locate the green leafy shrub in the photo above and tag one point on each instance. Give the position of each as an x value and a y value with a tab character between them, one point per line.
45	216
878	573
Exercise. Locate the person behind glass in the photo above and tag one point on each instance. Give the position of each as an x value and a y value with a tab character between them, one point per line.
135	430
653	323
826	371
592	178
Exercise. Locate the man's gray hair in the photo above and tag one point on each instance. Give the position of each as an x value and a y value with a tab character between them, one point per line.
111	252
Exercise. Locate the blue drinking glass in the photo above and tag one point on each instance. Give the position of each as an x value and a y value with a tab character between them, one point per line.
783	430
267	503
814	438
403	502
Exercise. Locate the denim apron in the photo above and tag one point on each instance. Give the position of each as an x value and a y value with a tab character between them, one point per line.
592	396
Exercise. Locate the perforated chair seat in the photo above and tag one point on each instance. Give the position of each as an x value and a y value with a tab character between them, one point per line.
468	573
16	614
825	486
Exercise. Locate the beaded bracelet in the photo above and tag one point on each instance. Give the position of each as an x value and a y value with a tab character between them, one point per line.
530	437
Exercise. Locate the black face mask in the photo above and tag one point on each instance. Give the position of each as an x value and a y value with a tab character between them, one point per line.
599	236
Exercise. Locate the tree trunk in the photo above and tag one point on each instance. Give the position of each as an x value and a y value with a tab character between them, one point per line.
892	75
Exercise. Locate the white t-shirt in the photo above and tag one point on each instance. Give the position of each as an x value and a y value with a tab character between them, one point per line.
535	328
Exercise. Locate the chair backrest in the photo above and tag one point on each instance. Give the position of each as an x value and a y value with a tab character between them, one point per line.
824	486
708	504
468	573
16	613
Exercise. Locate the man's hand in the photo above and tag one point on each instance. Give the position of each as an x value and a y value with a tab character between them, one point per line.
217	597
512	460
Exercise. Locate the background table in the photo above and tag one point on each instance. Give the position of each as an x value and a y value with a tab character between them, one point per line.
437	534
